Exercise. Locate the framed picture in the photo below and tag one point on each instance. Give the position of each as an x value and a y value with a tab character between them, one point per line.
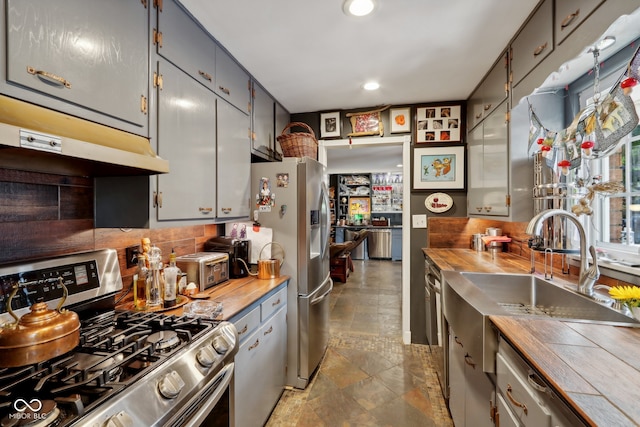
366	123
438	124
439	168
400	119
330	125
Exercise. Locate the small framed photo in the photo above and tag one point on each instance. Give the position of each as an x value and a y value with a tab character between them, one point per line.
330	125
438	124
400	119
439	168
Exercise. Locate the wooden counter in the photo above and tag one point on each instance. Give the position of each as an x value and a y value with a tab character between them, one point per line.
594	367
236	294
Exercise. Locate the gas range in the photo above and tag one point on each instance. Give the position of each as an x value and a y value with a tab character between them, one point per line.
129	369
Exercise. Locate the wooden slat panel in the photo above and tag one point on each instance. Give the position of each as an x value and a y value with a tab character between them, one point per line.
601	411
28	202
76	202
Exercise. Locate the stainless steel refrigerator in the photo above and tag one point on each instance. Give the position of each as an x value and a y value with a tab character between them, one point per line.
291	197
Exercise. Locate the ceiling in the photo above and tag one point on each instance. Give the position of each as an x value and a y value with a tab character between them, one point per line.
312	57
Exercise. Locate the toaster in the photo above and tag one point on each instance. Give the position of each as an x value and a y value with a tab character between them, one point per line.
206	269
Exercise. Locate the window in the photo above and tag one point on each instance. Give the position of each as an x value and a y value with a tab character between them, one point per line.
615	223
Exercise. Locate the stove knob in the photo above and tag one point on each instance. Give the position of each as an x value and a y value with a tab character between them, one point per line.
206	356
170	385
220	344
121	419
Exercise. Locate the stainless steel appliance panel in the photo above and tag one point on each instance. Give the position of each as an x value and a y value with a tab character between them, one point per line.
314	327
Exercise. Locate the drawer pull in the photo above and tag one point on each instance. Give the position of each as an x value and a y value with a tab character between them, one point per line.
257	343
49	77
514	401
244	330
537	51
569	19
487	107
478	115
204	75
458	341
275	303
224	90
536	382
268	331
205	210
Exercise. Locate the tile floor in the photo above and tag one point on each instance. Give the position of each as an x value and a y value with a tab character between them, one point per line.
368	377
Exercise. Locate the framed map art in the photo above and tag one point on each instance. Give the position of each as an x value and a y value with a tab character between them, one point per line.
438	124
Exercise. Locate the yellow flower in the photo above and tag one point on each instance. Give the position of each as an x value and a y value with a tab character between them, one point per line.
629	295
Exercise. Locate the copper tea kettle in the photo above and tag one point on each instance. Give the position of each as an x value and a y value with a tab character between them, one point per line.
40	334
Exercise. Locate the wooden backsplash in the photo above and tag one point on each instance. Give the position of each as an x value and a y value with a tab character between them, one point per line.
44	215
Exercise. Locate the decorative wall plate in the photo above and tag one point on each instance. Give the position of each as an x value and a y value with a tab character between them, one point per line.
438	202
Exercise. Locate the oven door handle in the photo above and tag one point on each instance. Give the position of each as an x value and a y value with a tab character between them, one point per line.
201	414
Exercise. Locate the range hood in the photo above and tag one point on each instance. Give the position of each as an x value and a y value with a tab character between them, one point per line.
37	139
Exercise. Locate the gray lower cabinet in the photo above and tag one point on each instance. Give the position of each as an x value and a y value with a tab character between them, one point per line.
187	139
471	390
396	244
233	83
524	398
87	58
234	161
260	364
183	42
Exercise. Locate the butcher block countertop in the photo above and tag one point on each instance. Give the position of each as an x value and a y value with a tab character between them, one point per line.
594	367
236	294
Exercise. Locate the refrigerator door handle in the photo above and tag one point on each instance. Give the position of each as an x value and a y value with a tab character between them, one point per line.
318	299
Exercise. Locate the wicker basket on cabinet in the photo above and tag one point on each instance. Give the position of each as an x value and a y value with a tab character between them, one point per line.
298	144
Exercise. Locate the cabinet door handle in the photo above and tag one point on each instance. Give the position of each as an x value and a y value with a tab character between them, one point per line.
478	115
206	76
568	20
514	401
49	77
243	330
224	90
487	107
205	210
458	341
469	361
537	51
257	343
267	332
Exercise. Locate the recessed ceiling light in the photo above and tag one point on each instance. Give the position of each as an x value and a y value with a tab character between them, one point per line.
358	7
371	86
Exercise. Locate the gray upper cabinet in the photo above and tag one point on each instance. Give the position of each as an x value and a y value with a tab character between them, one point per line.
180	40
233	82
186	137
263	112
492	91
87	58
282	120
533	43
570	14
234	161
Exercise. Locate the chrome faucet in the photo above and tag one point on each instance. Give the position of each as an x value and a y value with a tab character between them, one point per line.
588	274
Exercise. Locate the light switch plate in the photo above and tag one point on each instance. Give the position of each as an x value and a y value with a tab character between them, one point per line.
419	221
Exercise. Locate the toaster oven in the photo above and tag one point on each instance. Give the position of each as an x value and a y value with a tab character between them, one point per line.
206	269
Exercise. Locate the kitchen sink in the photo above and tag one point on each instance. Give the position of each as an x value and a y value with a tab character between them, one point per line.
470	298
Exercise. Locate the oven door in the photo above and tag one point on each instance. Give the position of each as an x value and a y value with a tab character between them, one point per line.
212	406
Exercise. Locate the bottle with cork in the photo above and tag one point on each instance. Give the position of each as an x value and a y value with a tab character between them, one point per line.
171	281
140	284
154	280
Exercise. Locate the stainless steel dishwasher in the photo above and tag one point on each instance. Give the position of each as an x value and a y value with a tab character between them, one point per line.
379	243
358	251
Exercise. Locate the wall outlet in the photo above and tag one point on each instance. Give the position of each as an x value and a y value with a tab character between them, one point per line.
131	254
419	221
